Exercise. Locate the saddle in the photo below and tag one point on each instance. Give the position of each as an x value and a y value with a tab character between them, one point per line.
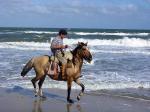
68	55
55	66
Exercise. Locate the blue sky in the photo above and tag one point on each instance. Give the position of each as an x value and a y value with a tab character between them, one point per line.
124	14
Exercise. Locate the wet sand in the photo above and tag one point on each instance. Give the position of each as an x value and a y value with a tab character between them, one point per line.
22	100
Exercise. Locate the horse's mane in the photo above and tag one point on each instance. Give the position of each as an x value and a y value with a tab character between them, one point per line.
74	52
79	46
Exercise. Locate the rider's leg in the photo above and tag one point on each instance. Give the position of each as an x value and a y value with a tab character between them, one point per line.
64	63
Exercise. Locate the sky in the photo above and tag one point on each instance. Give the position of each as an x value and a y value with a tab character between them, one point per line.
109	14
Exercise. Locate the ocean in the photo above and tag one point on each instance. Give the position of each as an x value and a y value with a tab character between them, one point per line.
121	57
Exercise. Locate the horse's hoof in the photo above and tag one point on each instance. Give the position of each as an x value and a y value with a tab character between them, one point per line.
43	97
70	101
78	98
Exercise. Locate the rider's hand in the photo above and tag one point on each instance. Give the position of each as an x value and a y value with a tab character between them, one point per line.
66	46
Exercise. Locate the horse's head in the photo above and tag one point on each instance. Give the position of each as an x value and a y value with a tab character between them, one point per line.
84	52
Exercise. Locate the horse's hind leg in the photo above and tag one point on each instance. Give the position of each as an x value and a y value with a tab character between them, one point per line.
34	85
34	80
40	86
82	86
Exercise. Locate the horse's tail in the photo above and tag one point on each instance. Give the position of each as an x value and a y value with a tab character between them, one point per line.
27	67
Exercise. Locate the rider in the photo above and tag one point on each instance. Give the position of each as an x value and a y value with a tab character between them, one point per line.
57	48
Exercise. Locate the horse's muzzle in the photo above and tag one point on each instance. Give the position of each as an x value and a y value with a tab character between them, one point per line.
89	60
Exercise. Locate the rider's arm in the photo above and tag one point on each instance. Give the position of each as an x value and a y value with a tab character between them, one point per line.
60	46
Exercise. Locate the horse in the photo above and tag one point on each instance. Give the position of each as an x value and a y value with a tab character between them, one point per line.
73	73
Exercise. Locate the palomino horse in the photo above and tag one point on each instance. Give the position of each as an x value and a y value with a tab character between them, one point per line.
72	73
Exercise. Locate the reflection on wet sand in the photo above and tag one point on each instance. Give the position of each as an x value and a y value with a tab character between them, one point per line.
70	106
37	106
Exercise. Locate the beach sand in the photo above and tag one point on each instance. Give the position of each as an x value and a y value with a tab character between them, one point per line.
19	99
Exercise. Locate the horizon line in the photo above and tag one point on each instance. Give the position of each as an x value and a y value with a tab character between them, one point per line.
74	28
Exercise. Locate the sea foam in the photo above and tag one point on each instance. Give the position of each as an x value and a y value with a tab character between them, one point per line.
125	42
112	34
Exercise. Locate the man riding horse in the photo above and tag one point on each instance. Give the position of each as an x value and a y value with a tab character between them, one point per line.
57	48
71	74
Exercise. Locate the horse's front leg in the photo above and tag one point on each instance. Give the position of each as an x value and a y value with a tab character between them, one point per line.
82	90
69	84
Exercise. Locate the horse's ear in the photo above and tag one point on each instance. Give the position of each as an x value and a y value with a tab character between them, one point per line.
86	43
79	43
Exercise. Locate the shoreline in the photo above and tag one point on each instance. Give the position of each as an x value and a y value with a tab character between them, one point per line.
22	99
